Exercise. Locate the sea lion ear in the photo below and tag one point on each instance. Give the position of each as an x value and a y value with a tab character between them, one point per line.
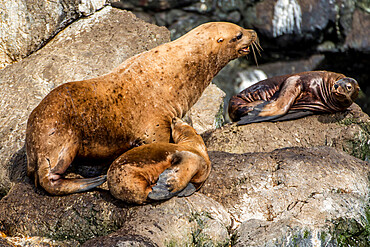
220	40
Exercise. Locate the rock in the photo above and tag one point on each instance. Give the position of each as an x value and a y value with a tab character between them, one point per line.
291	67
290	23
176	222
206	114
26	25
87	48
36	242
359	36
157	5
349	131
28	211
291	196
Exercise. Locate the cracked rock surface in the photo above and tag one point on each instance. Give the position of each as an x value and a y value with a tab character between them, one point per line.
275	195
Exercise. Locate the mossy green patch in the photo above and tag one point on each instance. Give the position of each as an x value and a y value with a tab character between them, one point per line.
219	119
199	238
360	145
349	232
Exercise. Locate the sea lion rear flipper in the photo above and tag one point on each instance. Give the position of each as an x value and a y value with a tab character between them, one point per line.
291	115
188	191
253	116
270	110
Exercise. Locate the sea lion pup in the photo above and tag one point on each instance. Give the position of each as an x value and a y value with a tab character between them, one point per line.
131	176
98	119
293	96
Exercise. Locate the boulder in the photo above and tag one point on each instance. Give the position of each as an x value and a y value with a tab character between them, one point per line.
26	25
359	36
293	196
176	222
349	131
290	23
207	113
87	48
76	218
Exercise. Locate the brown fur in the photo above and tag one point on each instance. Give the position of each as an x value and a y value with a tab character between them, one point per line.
100	118
132	175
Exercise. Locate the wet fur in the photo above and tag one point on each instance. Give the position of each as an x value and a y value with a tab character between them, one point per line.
290	96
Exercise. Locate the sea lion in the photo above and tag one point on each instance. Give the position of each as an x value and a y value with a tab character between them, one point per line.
293	96
143	170
98	119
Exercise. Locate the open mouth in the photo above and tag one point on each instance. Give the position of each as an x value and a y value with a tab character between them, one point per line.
244	50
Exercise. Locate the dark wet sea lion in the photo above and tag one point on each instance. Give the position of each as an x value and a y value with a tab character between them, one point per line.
292	96
134	175
101	118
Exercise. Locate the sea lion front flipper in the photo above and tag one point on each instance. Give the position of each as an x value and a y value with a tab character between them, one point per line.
186	166
274	109
162	190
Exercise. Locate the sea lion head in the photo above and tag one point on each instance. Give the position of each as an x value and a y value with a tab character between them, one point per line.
345	89
225	39
234	41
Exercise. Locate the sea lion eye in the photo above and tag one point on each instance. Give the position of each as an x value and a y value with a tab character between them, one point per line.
220	40
349	87
239	36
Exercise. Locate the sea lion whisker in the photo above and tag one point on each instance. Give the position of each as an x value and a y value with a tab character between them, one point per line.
254	54
258	43
258	50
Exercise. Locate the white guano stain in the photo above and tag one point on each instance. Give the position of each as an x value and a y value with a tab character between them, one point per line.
287	15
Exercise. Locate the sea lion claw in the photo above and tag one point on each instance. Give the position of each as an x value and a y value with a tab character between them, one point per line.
188	191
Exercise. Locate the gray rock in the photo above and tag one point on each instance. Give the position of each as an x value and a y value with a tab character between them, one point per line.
274	197
89	47
176	222
359	36
207	113
349	131
37	242
28	211
291	22
26	25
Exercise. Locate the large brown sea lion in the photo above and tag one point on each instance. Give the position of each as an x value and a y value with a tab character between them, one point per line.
131	176
97	120
293	96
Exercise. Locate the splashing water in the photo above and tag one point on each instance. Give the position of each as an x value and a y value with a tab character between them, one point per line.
287	14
